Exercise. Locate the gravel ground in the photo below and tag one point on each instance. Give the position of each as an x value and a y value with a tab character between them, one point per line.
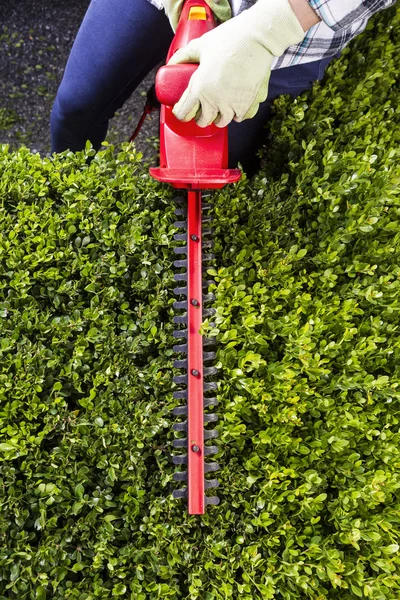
35	39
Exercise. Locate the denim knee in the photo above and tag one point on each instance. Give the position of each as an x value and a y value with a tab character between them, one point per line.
73	108
73	122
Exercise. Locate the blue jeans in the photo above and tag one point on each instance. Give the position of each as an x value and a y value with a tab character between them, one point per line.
118	44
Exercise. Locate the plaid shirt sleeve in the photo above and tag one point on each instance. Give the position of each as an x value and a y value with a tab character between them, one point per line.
340	14
341	21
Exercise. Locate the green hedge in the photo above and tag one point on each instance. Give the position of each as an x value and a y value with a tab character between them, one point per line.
308	298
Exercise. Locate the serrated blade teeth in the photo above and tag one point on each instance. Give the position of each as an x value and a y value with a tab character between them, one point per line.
210	386
210	450
181	364
180	305
180	264
208	297
183	244
180	348
181	291
210	402
180	319
180	379
180	333
212	500
180	443
209	342
210	371
181	250
210	418
180	476
180	394
207	282
210	434
180	426
181	459
180	224
176	494
211	483
180	277
179	411
211	467
180	212
180	237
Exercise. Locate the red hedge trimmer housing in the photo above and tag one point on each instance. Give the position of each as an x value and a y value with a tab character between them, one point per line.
195	159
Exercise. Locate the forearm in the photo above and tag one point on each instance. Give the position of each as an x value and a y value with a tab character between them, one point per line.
342	14
305	14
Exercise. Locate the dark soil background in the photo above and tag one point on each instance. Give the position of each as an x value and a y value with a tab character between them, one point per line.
35	40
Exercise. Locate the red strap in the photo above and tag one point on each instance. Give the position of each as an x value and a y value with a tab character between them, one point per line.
147	110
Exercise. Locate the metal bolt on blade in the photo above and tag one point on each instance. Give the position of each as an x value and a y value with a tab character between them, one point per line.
195	449
195	372
195	302
194	237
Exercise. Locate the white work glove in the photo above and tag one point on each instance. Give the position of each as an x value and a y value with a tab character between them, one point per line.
235	63
173	8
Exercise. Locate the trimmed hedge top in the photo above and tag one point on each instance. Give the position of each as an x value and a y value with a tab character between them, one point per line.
307	284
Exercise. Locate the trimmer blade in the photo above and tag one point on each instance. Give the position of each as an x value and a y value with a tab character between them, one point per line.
194	295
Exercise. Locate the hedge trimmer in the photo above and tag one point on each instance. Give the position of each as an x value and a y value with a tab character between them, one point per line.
194	159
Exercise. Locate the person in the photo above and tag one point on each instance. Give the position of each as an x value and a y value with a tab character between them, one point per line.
260	50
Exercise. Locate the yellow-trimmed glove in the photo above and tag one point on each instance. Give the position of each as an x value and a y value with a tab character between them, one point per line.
235	63
220	8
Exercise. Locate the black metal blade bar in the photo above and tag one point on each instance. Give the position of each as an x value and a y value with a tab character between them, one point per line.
182	320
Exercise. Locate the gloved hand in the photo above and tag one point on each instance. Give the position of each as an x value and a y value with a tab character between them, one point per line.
220	8
235	63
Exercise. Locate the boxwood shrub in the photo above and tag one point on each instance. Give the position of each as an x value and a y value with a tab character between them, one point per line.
307	285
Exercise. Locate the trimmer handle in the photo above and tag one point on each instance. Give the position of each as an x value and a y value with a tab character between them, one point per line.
172	80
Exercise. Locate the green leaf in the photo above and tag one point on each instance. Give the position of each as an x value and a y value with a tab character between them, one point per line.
119	589
79	490
6	447
391	549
